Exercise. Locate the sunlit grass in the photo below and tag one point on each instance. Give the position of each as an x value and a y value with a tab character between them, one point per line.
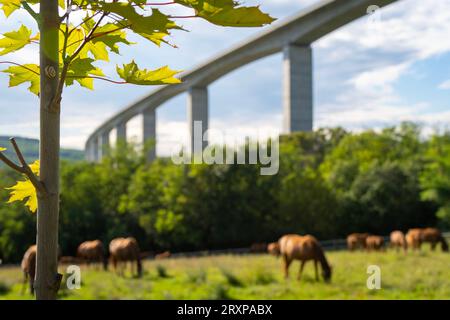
424	275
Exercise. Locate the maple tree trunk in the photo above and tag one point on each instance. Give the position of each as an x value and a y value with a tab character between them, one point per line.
47	279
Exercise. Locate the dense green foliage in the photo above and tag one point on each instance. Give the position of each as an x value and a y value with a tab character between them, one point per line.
30	150
330	183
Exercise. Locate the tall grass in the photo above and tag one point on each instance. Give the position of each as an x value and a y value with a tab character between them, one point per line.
262	276
219	292
231	278
162	271
197	276
4	288
424	275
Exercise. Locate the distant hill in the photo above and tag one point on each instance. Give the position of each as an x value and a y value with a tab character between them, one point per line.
30	150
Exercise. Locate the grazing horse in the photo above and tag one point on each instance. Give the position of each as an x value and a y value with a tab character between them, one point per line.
356	241
92	252
145	254
28	266
124	250
398	240
414	238
258	247
273	248
303	248
375	243
434	236
69	260
163	255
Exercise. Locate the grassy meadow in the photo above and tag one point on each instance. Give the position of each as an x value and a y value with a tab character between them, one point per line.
424	275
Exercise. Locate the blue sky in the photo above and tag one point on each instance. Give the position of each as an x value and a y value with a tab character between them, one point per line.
369	74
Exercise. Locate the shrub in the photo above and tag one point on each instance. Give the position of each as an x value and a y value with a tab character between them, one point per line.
162	271
197	276
231	278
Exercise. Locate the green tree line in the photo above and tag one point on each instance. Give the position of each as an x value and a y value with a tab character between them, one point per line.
330	182
30	150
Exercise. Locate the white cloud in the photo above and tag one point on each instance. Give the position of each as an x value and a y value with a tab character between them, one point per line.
357	69
378	81
173	134
362	64
445	85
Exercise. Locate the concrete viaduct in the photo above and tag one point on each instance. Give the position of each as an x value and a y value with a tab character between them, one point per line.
293	37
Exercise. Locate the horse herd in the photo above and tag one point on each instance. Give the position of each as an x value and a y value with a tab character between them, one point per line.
307	248
121	251
413	239
291	247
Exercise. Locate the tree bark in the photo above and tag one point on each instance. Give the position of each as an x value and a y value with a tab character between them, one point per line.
47	278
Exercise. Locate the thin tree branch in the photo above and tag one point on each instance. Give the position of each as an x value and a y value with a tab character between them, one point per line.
10	163
183	17
83	22
87	38
19	65
68	10
98	35
155	4
18	153
24	168
97	78
66	65
33	13
66	32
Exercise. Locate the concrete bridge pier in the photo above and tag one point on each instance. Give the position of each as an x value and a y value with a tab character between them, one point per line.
104	144
149	132
297	88
197	113
92	147
88	151
121	132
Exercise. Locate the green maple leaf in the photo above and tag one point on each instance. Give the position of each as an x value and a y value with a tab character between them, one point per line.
24	190
110	36
23	74
16	40
154	27
239	17
132	74
80	70
9	6
228	13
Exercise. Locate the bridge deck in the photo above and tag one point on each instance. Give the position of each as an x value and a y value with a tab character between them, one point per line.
304	28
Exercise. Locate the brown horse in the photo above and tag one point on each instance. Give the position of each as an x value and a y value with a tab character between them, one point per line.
123	250
145	254
356	241
28	266
414	238
65	260
92	252
398	240
273	248
163	255
258	247
434	236
304	248
375	243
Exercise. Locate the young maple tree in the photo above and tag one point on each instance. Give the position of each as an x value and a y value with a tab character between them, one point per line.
73	35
